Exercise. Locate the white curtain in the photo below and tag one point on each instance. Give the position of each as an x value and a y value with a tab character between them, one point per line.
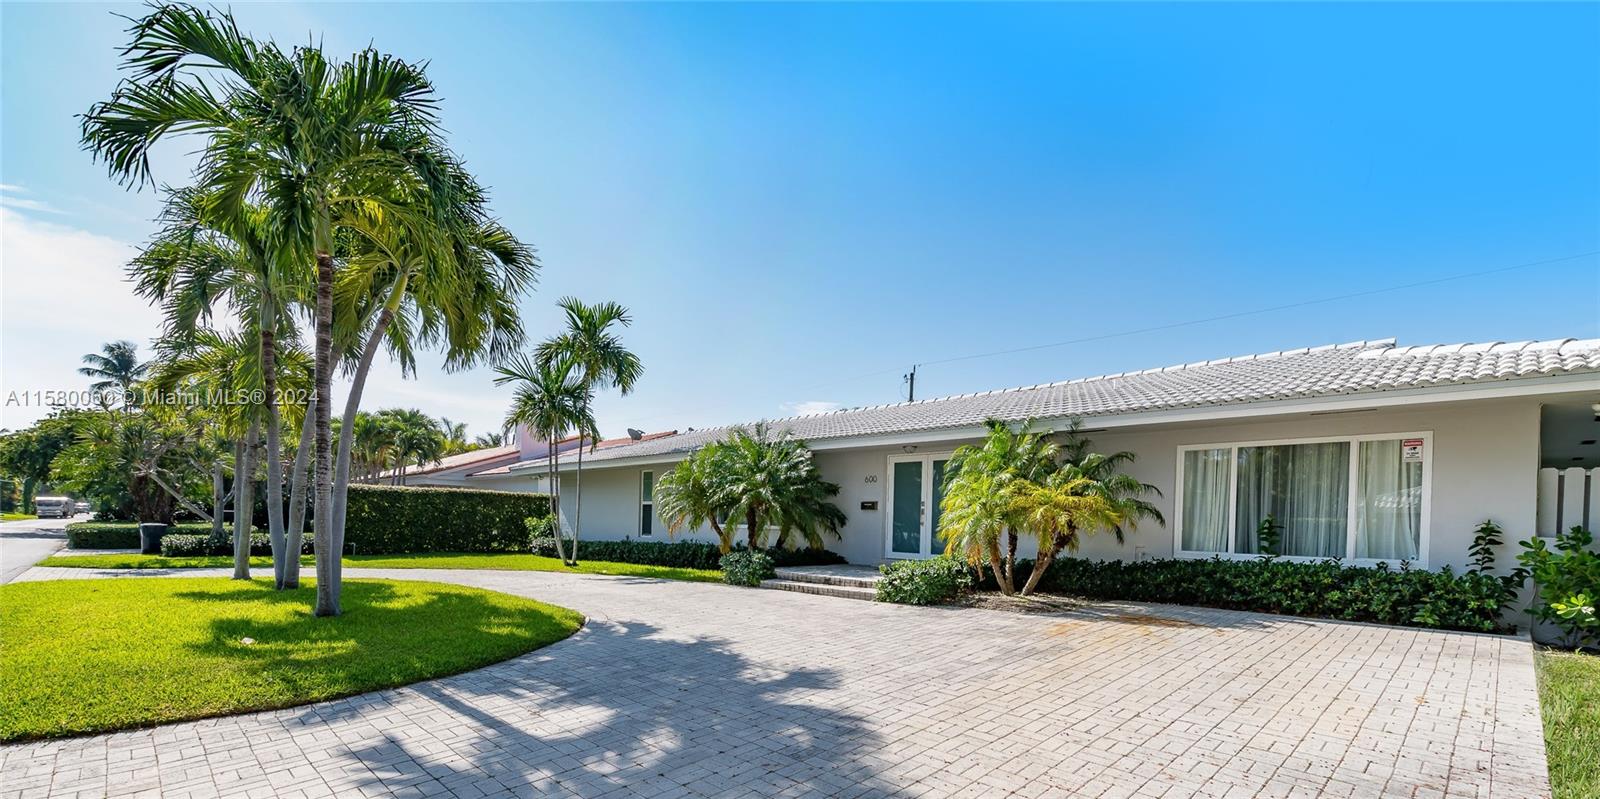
1388	503
1206	483
1306	489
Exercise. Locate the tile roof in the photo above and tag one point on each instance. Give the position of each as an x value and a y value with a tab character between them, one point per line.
1360	367
456	461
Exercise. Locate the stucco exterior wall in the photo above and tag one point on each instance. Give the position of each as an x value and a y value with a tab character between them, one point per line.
1485	456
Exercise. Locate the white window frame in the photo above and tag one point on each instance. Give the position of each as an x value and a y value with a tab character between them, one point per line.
649	504
1354	496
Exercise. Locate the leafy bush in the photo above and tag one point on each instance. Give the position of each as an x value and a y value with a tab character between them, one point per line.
120	535
744	567
1326	589
1567	579
682	554
177	546
923	582
397	519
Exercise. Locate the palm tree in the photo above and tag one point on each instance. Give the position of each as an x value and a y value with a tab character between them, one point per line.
455	436
771	481
602	362
490	439
210	251
552	400
692	494
115	366
979	508
417	439
332	150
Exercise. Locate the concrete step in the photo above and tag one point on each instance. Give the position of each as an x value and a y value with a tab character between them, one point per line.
821	589
848	576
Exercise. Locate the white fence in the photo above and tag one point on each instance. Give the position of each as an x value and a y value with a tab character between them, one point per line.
1567	498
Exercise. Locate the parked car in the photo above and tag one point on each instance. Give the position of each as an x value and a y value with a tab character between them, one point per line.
53	507
80	507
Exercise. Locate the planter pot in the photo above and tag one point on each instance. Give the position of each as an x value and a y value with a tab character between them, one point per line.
150	537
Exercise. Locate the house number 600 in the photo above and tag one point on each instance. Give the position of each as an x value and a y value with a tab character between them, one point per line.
872	478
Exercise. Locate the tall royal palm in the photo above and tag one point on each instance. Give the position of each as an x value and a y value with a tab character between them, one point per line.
115	366
552	401
326	147
594	347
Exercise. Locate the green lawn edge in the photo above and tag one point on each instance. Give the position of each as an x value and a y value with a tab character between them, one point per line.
506	561
1569	701
68	675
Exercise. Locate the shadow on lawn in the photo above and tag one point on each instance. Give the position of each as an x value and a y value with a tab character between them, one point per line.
619	705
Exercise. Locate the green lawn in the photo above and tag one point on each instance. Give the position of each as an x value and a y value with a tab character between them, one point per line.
95	655
16	517
1569	696
509	561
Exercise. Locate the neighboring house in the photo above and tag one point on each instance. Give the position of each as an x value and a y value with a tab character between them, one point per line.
1368	451
452	470
513	474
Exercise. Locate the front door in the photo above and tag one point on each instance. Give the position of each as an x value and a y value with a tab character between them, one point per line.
916	487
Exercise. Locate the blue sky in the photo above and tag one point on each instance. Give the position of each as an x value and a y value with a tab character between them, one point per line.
800	201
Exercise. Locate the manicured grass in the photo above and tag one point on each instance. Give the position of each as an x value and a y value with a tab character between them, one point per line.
1569	697
16	517
509	561
522	562
137	561
95	655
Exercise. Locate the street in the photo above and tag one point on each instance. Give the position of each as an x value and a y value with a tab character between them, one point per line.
25	543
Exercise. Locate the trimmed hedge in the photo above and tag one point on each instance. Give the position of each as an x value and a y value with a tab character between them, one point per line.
746	568
680	554
923	582
399	519
179	546
120	535
1326	589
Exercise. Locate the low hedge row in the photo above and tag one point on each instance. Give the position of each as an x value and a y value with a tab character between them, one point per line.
395	519
120	535
681	554
1326	589
178	546
923	582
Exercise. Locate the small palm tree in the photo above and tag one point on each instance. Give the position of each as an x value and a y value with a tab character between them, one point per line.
455	436
417	439
980	510
692	494
771	481
602	362
492	439
115	366
552	400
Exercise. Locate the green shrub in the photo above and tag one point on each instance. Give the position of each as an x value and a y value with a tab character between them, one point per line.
180	546
743	567
398	519
680	554
923	582
120	535
1567	580
1326	589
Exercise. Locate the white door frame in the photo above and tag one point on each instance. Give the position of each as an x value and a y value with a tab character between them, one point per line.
925	545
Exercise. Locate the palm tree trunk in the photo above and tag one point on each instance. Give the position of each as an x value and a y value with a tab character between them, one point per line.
274	456
750	529
724	541
1011	556
1001	576
322	524
555	495
243	503
1040	566
218	501
347	426
577	503
297	494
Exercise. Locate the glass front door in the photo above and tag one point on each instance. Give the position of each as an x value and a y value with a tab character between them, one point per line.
916	487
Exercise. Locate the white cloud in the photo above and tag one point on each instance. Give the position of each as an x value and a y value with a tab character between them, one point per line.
810	407
8	199
63	293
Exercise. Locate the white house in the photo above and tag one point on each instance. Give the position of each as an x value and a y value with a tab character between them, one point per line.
1367	451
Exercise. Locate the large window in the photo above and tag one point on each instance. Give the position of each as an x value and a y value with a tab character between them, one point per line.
1361	498
647	503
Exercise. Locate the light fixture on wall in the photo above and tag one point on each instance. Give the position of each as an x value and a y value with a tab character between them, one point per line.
908	448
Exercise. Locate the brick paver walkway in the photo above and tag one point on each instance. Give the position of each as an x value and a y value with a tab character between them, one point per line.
683	689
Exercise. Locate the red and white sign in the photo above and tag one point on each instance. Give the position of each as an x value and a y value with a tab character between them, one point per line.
1411	450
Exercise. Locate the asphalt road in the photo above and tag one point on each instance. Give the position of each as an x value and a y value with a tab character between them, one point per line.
25	543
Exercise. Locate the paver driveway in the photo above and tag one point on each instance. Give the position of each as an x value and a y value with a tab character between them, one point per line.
682	689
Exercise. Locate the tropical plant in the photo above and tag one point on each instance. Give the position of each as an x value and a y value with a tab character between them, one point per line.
455	436
551	400
490	439
923	582
417	439
26	455
149	455
692	494
771	481
1566	578
981	510
343	156
602	362
747	567
115	366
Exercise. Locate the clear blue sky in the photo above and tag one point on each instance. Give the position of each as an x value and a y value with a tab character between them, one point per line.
800	201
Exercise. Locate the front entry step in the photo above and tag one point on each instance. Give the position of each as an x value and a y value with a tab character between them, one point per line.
849	582
821	589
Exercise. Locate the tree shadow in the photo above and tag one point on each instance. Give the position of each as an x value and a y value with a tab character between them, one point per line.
619	707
